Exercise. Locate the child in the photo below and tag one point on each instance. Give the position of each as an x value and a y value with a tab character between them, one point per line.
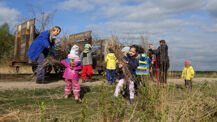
119	71
142	69
87	61
188	74
111	66
71	74
132	63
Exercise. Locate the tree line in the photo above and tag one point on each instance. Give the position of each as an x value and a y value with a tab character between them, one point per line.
6	43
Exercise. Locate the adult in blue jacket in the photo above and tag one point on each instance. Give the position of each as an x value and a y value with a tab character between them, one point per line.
40	48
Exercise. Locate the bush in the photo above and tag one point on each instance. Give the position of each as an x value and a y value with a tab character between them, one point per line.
6	42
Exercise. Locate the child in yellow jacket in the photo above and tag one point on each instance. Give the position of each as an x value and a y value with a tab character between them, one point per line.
110	66
188	75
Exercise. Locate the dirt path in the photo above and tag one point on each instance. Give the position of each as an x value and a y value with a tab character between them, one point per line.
32	85
13	84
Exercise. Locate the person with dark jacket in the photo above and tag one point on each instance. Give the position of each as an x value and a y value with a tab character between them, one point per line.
163	60
40	48
153	64
151	57
132	64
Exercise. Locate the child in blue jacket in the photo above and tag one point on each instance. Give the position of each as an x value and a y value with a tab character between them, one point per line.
132	64
142	69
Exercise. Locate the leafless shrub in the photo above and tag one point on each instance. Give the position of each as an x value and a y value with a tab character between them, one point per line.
116	46
62	50
144	43
43	17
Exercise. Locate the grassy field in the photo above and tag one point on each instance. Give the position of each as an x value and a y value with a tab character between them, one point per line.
153	103
198	74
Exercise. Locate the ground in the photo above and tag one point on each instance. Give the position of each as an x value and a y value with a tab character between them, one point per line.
21	99
24	82
27	81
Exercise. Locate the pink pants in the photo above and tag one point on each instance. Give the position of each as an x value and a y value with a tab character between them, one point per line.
74	85
120	85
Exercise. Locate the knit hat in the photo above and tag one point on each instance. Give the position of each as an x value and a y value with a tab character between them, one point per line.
74	52
188	62
72	56
125	49
87	46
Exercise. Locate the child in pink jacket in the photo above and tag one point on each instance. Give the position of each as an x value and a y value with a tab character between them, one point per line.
71	74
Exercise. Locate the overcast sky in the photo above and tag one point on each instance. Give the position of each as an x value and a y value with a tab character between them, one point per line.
188	26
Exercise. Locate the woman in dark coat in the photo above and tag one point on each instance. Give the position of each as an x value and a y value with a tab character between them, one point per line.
163	60
40	48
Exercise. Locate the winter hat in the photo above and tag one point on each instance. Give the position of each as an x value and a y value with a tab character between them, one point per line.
188	62
125	49
74	50
87	46
73	56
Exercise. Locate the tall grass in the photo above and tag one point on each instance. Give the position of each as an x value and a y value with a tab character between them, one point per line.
153	103
157	103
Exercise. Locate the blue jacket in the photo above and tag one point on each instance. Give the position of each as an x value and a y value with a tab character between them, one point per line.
41	45
143	67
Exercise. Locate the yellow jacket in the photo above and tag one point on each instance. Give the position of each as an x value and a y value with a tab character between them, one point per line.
111	61
188	73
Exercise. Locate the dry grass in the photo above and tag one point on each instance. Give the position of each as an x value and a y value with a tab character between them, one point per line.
9	116
154	103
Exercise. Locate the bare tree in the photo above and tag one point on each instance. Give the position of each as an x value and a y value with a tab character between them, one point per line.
144	43
43	17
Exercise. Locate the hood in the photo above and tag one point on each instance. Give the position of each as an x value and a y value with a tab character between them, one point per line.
74	50
111	55
73	56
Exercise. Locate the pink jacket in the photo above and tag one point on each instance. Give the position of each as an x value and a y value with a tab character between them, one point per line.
69	73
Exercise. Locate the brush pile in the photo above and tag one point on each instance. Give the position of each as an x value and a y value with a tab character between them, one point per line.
61	52
116	47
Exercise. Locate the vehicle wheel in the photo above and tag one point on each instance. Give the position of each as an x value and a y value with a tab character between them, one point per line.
100	72
34	68
48	69
17	69
59	69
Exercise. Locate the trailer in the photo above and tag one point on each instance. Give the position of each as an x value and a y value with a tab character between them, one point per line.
100	51
98	48
63	49
25	35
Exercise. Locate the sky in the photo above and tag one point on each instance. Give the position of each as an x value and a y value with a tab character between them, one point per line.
188	26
